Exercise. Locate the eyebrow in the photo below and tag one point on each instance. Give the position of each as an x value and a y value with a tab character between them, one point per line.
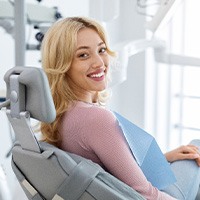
87	47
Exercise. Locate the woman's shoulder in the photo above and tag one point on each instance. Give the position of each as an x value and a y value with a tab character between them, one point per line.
98	120
94	112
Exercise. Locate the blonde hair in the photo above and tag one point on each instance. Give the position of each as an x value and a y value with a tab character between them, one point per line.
58	49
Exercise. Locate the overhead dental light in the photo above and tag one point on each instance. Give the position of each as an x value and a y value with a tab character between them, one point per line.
41	17
15	15
163	14
36	13
127	49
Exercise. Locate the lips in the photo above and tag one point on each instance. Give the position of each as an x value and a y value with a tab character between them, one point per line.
97	75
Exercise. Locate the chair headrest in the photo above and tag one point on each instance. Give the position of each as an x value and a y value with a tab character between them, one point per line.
38	98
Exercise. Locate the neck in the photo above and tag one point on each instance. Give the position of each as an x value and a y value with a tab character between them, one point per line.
88	101
94	104
93	98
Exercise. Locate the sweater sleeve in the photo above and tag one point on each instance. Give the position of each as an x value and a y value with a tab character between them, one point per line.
105	138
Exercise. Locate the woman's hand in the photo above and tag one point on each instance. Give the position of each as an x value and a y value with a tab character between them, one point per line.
190	152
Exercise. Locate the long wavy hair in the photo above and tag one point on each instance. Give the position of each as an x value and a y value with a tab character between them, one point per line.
58	47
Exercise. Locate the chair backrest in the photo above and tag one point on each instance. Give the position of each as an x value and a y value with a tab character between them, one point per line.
44	171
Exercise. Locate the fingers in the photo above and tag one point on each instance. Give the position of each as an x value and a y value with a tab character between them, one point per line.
188	149
198	151
189	156
198	161
194	147
190	152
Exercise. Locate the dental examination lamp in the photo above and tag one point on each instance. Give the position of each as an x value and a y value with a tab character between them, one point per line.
127	49
163	14
41	17
124	51
130	48
36	13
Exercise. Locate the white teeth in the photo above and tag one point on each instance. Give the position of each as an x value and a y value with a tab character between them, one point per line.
97	75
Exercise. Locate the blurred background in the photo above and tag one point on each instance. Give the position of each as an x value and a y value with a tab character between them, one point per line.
155	80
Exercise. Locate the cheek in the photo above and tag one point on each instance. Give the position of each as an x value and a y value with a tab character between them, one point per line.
75	69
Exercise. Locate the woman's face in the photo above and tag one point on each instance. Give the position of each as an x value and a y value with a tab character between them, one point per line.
89	67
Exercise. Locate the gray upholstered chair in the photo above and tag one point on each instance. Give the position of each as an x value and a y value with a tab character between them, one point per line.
44	171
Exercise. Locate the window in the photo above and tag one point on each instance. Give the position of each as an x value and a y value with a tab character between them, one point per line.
175	116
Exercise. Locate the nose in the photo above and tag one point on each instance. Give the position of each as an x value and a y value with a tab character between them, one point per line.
98	61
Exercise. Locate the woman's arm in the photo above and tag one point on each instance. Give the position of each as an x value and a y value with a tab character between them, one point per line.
190	152
108	143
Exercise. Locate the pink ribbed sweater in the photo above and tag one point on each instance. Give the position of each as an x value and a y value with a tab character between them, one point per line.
93	132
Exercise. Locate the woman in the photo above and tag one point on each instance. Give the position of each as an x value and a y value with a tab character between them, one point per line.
75	56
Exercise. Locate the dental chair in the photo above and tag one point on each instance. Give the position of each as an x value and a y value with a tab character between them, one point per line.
44	171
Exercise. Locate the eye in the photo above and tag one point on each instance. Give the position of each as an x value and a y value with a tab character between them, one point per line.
102	50
83	55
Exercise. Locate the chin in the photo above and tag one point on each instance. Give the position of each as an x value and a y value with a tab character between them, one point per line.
103	87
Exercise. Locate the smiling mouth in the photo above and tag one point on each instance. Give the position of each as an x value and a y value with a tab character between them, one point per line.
98	75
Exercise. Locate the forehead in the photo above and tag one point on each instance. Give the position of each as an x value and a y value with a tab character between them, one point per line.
87	36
